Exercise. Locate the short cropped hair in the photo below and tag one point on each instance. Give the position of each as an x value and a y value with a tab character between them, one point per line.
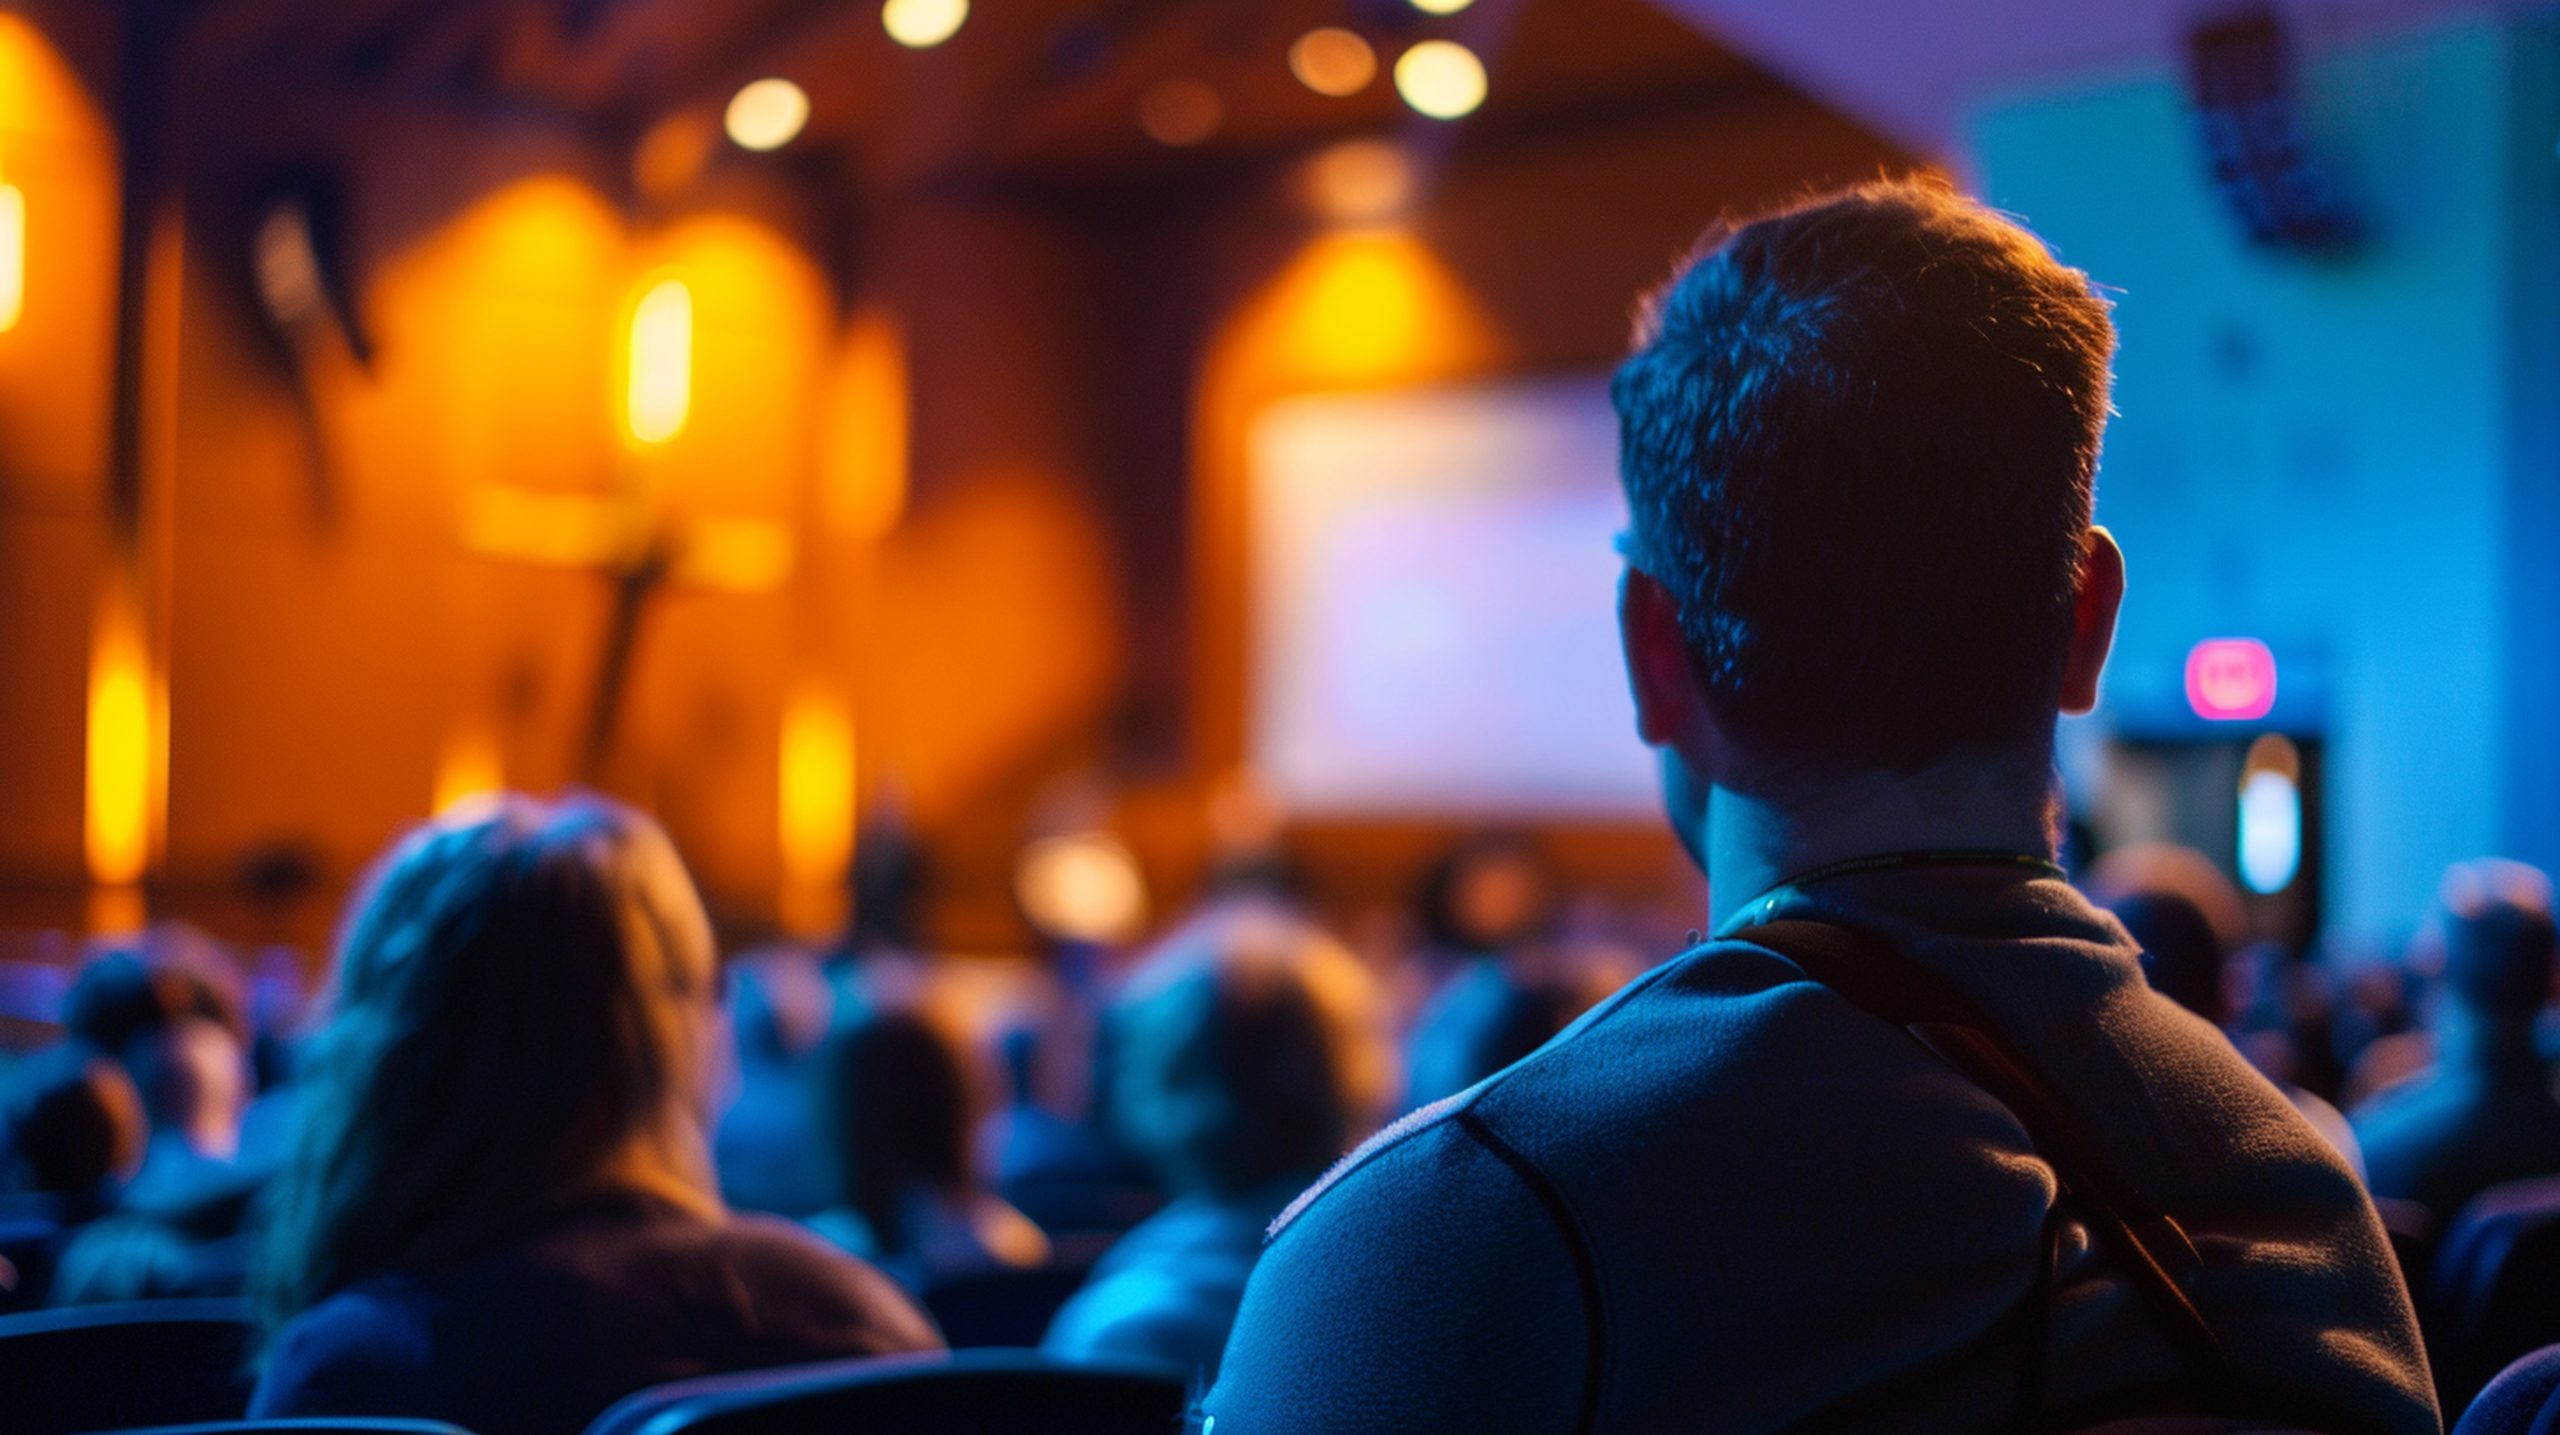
1859	439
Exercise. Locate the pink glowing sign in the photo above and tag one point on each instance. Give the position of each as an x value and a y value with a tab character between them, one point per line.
2231	679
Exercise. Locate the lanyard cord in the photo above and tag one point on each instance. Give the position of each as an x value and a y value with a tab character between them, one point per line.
1905	861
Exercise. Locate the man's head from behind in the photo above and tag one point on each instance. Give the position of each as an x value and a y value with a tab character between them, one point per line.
1858	441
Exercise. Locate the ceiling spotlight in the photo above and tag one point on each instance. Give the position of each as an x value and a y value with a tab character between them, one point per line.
1181	113
1333	61
1441	7
1441	78
923	24
767	114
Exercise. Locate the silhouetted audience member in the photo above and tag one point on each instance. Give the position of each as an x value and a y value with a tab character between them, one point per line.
1251	1054
74	1131
71	1135
1491	1014
177	1229
501	1212
1490	894
780	1004
1858	440
898	1108
1488	897
136	988
2184	960
2485	1114
2276	1009
1067	1175
194	1078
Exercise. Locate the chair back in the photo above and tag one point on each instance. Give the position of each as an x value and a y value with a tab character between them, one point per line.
28	1246
116	1367
2523	1400
308	1426
2494	1294
984	1392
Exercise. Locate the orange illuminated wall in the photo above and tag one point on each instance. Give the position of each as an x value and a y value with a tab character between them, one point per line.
58	212
438	631
344	654
712	721
1352	309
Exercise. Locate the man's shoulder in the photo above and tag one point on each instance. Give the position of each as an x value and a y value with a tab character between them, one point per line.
1668	1040
1404	1139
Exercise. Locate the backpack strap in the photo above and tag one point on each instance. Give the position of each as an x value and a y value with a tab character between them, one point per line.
2146	1242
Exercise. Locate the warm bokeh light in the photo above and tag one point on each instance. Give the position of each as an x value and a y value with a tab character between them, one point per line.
13	255
1082	887
661	389
817	807
1442	79
1333	61
923	24
115	911
123	751
1440	7
674	152
1181	113
767	114
1360	182
467	767
1365	303
863	468
287	266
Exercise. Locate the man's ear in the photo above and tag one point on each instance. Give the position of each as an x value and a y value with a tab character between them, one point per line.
1660	671
2097	594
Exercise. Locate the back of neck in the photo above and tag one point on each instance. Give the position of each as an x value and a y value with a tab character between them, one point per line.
1755	842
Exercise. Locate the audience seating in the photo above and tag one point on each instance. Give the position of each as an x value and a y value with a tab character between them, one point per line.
2523	1400
985	1392
1002	1307
2495	1290
113	1367
330	1425
27	1246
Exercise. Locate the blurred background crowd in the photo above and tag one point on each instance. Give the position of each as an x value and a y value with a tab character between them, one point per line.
1087	523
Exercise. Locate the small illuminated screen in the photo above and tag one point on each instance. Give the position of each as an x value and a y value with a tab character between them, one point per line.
1434	603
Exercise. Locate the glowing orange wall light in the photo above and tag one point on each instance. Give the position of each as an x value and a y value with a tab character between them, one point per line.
468	767
659	394
864	464
126	708
817	817
13	256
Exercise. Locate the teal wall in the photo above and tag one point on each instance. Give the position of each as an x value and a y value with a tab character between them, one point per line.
2348	458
